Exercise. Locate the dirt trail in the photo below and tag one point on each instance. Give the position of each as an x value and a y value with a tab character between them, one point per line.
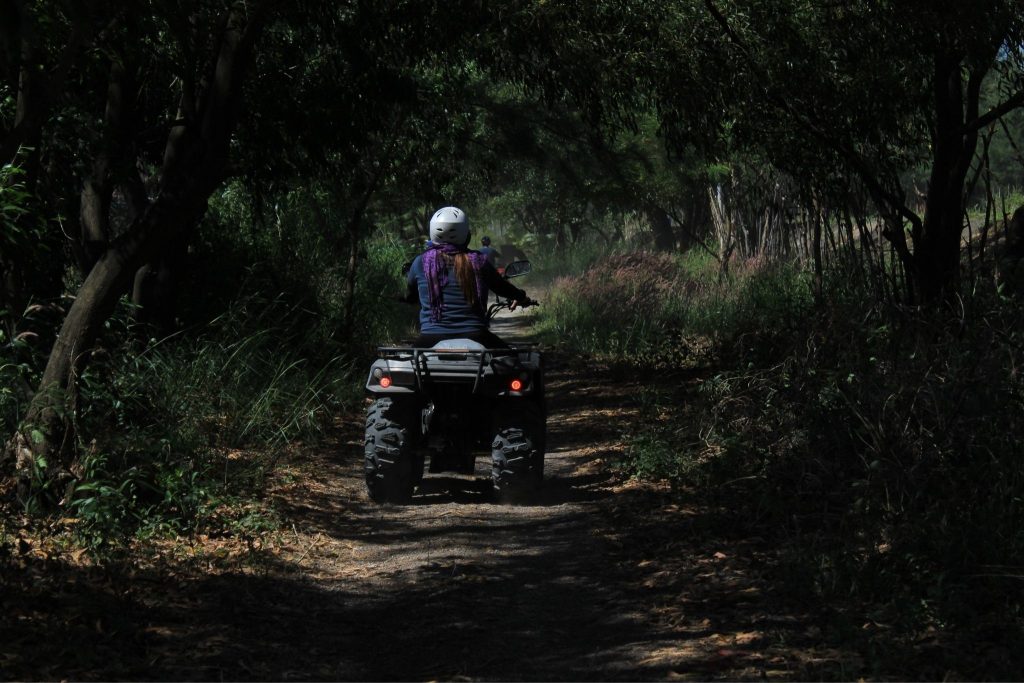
594	580
597	579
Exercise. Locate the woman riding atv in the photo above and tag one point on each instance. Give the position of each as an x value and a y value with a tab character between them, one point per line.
452	283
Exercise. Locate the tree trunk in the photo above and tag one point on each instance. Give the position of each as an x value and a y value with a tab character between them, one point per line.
47	431
195	159
98	190
353	231
937	248
819	276
661	226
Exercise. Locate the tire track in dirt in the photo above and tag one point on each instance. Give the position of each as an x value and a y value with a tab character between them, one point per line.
457	585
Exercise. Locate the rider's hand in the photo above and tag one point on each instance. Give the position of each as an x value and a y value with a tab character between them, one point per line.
522	302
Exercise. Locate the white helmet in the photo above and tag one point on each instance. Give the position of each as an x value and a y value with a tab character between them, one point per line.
449	226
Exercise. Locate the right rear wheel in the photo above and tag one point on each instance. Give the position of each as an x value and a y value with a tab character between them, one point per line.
517	452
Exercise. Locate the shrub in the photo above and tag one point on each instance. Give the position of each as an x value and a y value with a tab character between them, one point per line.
876	446
167	430
885	448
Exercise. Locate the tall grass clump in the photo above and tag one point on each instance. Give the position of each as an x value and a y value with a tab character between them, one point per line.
550	263
667	309
170	430
610	306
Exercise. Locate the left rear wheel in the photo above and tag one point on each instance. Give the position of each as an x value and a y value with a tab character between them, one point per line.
392	466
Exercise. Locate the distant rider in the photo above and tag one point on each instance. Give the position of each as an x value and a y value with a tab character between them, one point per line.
487	250
452	284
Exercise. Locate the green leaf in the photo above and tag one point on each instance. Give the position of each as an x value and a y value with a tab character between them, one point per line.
37	436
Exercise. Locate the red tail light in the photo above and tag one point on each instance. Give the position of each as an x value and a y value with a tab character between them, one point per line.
516	385
385	381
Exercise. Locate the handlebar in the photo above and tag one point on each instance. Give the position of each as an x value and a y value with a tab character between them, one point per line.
507	303
502	304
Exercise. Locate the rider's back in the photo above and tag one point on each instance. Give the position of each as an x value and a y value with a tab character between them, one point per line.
458	315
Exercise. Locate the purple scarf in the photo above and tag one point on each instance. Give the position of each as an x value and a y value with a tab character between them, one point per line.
435	266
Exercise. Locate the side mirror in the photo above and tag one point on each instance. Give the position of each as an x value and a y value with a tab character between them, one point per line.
517	268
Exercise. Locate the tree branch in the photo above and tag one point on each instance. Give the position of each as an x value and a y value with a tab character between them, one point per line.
863	169
1015	101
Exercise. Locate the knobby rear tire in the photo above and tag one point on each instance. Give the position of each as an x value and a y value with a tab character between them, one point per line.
517	452
390	457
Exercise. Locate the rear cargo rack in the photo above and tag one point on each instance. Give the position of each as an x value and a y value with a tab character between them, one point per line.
464	363
407	352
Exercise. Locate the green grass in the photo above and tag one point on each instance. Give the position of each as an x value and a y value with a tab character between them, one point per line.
172	434
648	307
170	430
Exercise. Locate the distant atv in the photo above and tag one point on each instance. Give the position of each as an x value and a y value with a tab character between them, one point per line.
450	401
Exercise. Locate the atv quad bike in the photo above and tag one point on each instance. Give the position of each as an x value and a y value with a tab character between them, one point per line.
448	402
